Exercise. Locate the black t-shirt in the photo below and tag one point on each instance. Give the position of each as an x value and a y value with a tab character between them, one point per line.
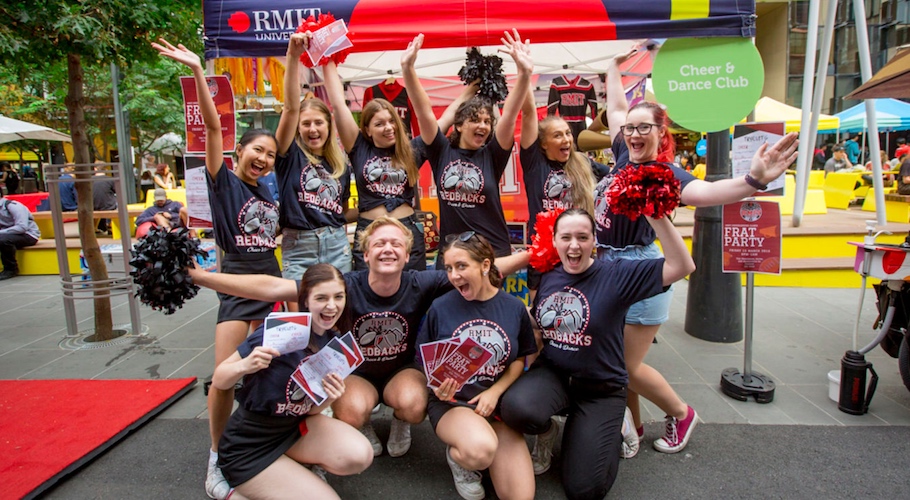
501	324
12	183
310	198
582	316
378	182
467	185
386	327
905	171
244	217
546	183
272	391
104	194
618	231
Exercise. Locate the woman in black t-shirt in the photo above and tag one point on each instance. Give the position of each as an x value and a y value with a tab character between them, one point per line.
277	428
580	307
245	221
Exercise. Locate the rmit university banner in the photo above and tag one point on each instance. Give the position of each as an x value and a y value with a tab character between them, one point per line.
254	28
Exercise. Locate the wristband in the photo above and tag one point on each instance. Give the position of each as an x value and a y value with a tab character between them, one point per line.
754	183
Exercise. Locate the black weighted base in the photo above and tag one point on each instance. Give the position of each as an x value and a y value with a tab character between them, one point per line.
760	386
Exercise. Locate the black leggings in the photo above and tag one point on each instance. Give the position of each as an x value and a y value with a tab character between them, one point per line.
592	438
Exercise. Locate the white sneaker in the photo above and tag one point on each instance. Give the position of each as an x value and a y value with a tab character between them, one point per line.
467	482
630	441
542	455
399	438
370	434
216	486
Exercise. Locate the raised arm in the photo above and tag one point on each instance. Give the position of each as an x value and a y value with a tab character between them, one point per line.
528	121
290	112
234	368
678	262
420	101
448	116
768	164
617	105
347	127
521	54
214	143
251	286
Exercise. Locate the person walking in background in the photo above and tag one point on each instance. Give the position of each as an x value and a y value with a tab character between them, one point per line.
17	230
851	146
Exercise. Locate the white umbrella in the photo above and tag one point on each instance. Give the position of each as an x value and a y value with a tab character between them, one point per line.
169	143
17	130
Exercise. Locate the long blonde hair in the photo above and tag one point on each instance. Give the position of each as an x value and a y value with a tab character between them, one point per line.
578	169
331	152
402	154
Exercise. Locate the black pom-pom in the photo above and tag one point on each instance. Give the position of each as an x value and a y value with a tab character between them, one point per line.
159	262
487	69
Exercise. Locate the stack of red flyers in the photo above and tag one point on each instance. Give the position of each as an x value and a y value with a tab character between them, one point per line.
458	359
341	355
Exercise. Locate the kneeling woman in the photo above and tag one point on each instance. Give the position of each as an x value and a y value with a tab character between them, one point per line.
580	308
468	420
277	428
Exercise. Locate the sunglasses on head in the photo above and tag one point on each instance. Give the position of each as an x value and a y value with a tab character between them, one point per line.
463	237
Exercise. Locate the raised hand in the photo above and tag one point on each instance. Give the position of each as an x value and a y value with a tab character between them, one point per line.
409	56
769	163
623	57
520	51
298	43
179	53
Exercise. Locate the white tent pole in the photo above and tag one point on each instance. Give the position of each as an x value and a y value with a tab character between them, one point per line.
805	152
822	73
865	65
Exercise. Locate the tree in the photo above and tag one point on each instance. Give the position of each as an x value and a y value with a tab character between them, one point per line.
36	33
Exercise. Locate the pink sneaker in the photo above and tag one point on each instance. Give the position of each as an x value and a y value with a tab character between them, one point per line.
677	433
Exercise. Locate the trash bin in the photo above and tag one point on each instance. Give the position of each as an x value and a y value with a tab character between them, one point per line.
29	185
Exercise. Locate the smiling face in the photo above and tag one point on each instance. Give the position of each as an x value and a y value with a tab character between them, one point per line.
381	129
255	158
386	251
467	274
313	129
643	148
475	130
325	303
573	238
556	140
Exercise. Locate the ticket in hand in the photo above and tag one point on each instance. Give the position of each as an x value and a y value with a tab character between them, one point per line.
287	332
336	357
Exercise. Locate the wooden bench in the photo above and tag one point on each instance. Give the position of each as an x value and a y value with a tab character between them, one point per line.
45	223
897	208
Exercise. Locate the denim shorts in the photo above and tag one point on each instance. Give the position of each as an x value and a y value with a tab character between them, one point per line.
303	248
653	310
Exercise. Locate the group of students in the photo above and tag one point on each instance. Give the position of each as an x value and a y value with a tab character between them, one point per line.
278	441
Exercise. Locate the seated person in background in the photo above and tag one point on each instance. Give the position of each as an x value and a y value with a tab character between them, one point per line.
838	161
9	177
68	189
17	230
104	197
164	212
903	178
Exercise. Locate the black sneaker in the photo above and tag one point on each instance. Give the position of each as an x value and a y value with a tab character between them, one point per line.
9	273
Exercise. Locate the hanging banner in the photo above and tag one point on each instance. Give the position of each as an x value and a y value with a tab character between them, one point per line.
251	28
220	89
751	237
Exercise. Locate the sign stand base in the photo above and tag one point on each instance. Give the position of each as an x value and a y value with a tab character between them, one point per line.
740	386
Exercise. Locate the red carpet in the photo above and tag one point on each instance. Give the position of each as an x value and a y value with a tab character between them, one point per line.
50	428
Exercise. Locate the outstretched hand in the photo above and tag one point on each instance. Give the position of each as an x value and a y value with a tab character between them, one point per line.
623	57
520	51
409	57
298	43
769	163
179	53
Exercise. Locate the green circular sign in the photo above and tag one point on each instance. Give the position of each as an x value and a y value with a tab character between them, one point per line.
708	84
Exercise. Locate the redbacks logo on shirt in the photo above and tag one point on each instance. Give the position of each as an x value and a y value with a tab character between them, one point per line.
319	190
382	178
382	335
602	202
493	337
296	402
462	185
556	191
563	318
258	223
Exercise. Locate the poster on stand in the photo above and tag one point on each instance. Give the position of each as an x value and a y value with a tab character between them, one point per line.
751	237
197	191
747	139
220	89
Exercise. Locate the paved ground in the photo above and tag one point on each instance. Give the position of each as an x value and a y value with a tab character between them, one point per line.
798	445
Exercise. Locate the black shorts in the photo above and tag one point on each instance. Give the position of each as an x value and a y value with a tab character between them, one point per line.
436	409
251	442
240	309
379	382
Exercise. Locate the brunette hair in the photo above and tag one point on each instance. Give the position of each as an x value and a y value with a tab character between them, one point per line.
363	237
322	273
578	168
159	169
570	212
666	150
478	249
470	109
334	157
403	155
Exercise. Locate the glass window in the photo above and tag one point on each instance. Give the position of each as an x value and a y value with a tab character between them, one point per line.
799	13
846	53
843	85
795	91
797	51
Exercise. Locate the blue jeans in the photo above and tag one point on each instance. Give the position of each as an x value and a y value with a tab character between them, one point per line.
301	249
653	310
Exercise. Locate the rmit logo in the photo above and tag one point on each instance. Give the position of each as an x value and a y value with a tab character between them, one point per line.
271	20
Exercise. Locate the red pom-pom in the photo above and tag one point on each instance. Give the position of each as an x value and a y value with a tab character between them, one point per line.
312	24
543	256
650	190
